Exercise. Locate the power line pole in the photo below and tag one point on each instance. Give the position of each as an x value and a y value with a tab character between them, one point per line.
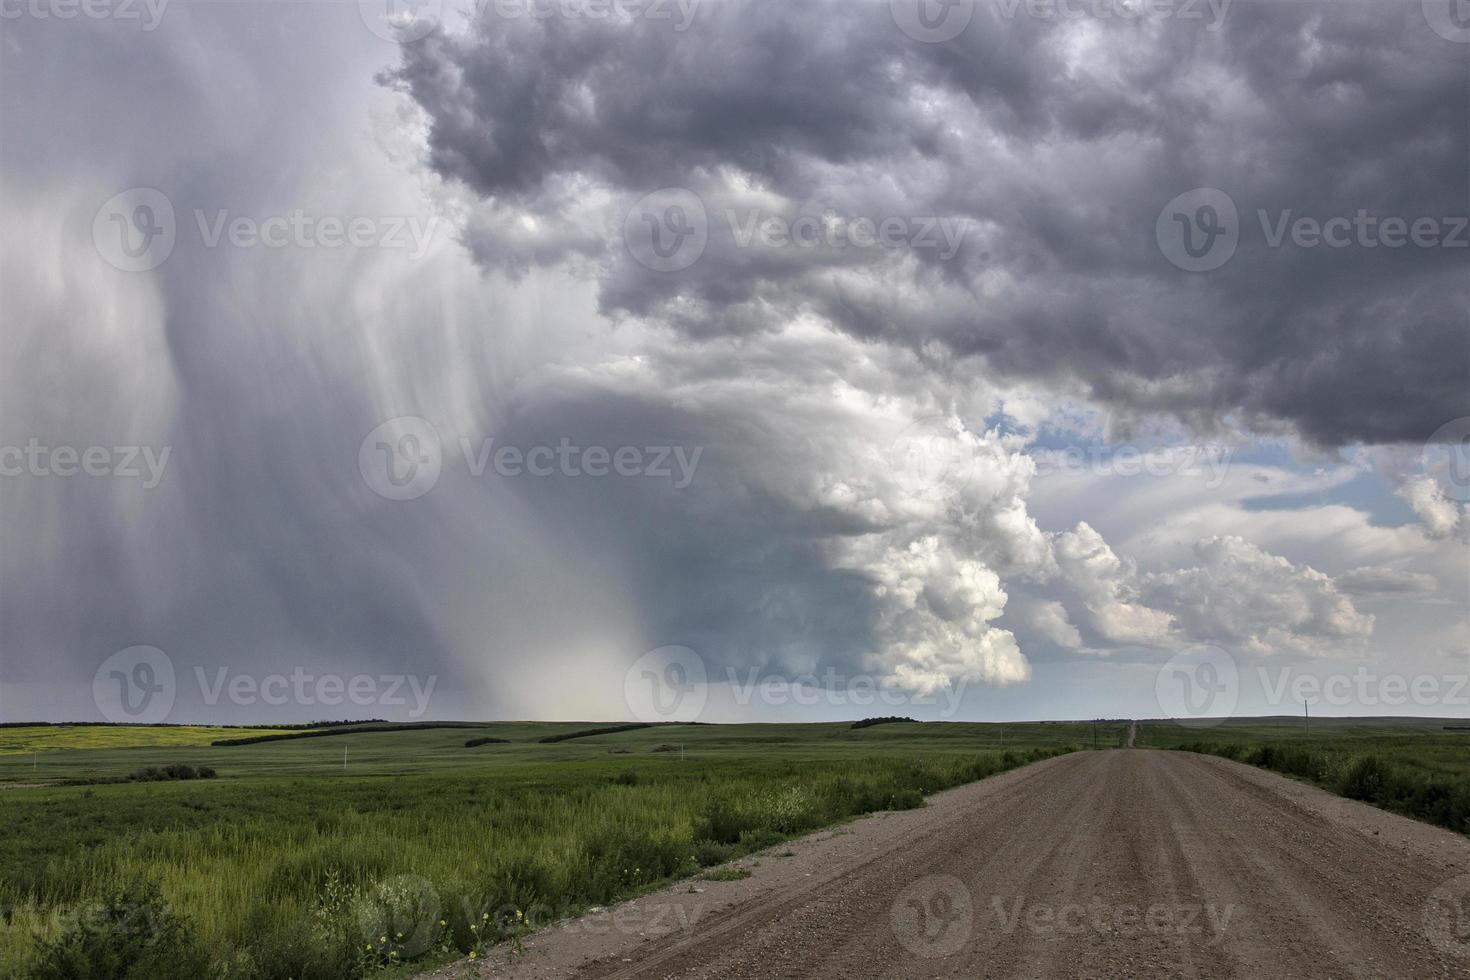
1308	714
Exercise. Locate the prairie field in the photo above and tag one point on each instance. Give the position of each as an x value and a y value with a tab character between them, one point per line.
1417	767
335	856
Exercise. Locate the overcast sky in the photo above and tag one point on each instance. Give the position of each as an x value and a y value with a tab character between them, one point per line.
1013	360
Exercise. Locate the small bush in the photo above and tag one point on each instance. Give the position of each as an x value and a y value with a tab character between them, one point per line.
870	722
486	741
154	774
1365	779
133	935
709	853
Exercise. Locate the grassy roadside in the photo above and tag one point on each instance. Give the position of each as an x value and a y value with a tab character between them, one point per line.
275	870
1412	767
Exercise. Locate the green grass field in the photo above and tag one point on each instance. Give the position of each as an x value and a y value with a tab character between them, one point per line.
334	857
1417	767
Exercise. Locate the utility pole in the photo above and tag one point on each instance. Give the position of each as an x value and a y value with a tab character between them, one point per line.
344	758
1307	712
1094	733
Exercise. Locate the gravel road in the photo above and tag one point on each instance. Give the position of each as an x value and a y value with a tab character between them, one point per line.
1123	863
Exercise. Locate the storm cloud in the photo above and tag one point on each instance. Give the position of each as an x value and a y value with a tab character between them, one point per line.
923	271
1052	143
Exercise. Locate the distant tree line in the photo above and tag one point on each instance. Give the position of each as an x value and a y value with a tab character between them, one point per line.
870	722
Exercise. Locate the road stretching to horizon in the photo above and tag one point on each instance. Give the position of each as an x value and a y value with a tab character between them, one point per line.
1121	863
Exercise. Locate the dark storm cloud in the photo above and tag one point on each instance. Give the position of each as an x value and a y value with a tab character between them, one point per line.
1053	143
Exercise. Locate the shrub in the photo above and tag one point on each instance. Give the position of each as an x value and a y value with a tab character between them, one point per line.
153	774
870	722
133	935
1364	779
708	852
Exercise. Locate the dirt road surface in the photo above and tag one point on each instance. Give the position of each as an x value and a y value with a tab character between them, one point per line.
1123	863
